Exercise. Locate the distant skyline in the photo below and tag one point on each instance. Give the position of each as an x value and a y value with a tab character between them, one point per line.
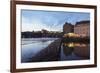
50	20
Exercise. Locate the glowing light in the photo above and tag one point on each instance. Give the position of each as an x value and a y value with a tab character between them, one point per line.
71	35
74	45
71	45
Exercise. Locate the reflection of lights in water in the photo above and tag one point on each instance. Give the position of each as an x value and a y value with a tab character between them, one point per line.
74	45
83	45
71	45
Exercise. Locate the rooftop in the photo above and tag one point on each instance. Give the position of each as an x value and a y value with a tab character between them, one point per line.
82	22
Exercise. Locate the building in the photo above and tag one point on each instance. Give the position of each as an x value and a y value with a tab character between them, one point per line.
68	28
82	28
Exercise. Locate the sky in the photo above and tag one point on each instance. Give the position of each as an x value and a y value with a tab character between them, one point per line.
35	20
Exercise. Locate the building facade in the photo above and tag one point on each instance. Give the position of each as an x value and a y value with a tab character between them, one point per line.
68	28
82	28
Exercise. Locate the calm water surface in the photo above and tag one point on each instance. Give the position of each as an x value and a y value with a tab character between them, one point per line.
31	46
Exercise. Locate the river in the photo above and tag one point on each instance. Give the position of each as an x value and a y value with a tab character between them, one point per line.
31	46
69	51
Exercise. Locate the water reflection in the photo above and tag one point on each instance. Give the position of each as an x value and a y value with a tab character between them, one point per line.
75	51
52	49
30	47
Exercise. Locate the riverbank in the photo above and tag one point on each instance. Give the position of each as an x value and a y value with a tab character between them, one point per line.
50	53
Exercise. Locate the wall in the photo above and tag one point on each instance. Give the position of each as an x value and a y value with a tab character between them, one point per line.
5	36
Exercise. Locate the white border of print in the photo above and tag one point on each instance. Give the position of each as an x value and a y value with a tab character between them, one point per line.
20	65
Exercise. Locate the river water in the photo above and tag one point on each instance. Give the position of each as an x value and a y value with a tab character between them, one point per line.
79	51
31	46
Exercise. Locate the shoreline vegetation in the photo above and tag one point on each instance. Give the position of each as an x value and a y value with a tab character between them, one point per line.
40	34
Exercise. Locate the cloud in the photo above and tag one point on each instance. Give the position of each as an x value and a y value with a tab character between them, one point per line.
49	20
39	24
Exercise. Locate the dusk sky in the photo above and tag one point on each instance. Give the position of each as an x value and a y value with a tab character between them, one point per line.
49	20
